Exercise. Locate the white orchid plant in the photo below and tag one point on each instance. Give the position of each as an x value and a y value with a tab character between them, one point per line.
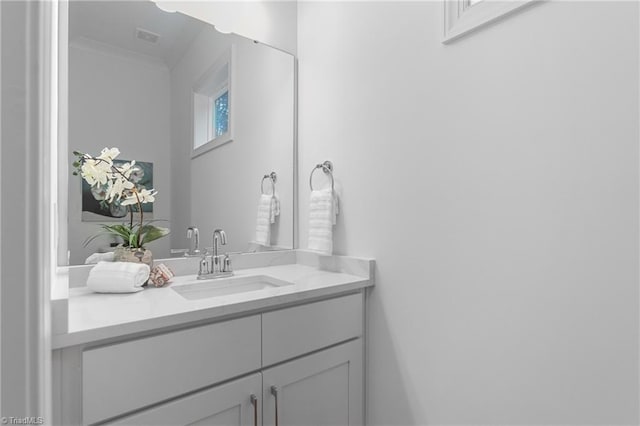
116	183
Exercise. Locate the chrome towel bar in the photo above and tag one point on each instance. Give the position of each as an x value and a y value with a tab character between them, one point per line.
274	178
327	168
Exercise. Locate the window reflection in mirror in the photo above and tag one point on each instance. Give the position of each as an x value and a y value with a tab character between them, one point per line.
212	103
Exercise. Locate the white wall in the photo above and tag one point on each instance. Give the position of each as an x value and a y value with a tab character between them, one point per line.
118	99
221	188
495	181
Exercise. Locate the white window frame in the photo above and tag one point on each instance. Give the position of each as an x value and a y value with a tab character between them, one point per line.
460	17
210	87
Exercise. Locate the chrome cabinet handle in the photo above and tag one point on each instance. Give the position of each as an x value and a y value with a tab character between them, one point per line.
274	392
254	402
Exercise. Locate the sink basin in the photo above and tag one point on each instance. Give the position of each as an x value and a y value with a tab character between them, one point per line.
204	289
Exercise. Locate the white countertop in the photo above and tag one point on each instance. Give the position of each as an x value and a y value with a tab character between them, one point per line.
94	316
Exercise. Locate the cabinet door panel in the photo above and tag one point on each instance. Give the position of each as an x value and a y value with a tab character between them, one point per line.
224	405
157	368
324	388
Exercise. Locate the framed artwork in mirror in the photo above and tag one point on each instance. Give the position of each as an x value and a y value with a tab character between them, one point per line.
96	209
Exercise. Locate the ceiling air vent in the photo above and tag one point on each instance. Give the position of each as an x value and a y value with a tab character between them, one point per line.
147	35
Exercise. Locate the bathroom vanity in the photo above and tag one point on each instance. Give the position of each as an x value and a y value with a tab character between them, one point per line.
290	353
282	342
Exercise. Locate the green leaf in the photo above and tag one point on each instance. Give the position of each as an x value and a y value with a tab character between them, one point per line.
149	222
119	230
152	233
93	237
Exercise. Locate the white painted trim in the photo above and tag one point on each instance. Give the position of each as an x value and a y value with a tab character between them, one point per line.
1	337
62	212
296	172
638	159
84	43
23	176
461	19
47	152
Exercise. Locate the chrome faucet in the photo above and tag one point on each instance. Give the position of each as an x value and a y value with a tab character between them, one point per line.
220	265
192	232
219	236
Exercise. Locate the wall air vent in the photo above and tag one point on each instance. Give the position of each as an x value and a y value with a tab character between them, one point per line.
147	35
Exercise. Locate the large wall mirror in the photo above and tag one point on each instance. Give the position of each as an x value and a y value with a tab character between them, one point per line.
134	71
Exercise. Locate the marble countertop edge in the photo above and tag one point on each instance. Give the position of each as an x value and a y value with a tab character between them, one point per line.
98	318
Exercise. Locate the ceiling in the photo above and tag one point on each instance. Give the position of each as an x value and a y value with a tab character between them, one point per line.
116	22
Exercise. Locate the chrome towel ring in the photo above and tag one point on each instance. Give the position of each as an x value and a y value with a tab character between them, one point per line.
274	178
327	168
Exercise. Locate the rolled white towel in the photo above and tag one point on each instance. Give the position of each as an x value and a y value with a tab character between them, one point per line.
99	257
118	277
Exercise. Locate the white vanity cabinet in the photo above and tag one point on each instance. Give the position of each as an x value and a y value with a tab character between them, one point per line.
325	388
225	405
303	365
123	377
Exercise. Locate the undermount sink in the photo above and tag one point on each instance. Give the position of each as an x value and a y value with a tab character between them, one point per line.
204	289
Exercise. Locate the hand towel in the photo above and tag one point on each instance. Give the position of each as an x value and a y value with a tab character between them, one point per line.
97	257
268	209
118	277
275	208
323	208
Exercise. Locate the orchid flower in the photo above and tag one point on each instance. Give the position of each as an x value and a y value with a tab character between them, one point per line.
127	168
116	188
118	184
109	154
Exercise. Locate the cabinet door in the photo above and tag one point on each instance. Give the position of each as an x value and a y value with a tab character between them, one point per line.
225	405
157	368
325	388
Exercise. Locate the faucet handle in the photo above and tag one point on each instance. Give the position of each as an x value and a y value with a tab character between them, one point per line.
203	266
226	264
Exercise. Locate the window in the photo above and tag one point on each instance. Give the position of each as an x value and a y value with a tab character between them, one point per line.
221	113
213	106
464	16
